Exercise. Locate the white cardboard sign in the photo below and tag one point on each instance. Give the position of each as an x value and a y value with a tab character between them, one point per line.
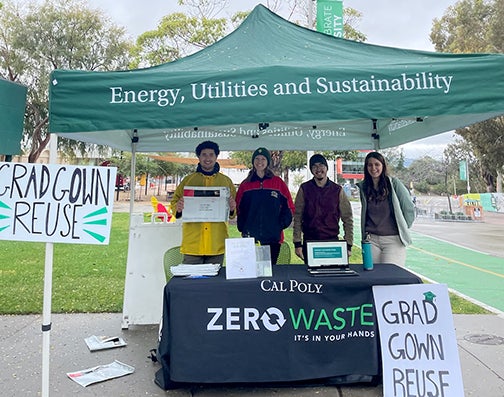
418	343
56	203
206	204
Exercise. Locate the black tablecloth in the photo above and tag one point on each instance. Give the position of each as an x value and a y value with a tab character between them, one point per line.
285	328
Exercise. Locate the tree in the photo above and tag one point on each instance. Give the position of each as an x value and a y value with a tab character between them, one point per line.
351	18
292	160
454	153
284	161
477	26
487	143
425	173
281	161
464	28
64	34
395	158
179	34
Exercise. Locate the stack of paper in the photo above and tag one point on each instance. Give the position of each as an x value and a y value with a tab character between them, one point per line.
209	269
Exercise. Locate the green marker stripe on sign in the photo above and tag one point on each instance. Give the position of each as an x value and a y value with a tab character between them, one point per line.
97	222
101	211
97	236
3	205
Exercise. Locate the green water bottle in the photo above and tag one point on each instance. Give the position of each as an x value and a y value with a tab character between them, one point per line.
367	256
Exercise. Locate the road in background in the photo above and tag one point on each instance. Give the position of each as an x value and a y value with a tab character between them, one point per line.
467	256
471	273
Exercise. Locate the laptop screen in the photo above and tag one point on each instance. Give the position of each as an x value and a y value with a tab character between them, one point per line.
326	253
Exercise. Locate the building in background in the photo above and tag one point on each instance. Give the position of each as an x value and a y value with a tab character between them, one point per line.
351	171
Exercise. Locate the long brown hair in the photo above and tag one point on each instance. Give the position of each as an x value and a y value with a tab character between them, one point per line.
383	183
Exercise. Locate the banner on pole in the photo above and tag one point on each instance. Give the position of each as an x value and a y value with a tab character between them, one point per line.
56	203
463	170
330	17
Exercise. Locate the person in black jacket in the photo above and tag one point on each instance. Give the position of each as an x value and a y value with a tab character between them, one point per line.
264	204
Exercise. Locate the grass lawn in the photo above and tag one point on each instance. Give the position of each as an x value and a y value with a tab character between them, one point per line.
90	278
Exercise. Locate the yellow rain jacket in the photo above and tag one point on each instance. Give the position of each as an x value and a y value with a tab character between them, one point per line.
203	238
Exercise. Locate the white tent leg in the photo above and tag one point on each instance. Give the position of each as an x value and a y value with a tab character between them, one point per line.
134	140
48	272
46	318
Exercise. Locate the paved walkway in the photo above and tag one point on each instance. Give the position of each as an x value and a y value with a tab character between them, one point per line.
478	338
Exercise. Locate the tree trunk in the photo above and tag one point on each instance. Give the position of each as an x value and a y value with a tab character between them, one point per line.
286	175
489	181
39	143
276	161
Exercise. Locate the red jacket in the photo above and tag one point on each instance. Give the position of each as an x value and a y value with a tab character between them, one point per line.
264	209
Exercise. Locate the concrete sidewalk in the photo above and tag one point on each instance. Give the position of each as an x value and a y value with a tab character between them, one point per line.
480	339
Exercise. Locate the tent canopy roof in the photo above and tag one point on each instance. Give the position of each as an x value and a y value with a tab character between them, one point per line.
12	110
276	84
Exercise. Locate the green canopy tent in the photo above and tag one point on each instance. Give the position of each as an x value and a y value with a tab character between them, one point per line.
276	84
12	110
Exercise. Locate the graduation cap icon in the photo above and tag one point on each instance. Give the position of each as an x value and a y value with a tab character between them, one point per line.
429	296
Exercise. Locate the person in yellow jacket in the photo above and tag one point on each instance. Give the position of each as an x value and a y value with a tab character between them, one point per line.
204	242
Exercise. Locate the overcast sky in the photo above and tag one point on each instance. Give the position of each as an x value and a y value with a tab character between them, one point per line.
395	23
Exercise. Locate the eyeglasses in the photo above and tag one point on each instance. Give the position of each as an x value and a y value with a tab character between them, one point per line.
318	166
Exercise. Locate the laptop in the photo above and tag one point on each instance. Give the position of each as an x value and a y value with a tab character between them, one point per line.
328	258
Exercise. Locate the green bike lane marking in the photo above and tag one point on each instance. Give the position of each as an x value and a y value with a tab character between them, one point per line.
472	273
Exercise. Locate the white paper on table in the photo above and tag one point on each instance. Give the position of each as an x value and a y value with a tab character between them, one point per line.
208	269
241	258
206	204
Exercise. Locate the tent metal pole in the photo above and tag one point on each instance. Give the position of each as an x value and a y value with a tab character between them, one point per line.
375	135
48	273
309	153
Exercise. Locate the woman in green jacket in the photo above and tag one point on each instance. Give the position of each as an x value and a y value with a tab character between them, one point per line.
387	212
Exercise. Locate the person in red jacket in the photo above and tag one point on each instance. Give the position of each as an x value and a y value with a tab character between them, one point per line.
264	204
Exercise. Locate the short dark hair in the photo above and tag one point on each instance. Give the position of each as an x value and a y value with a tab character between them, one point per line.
207	145
317	158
